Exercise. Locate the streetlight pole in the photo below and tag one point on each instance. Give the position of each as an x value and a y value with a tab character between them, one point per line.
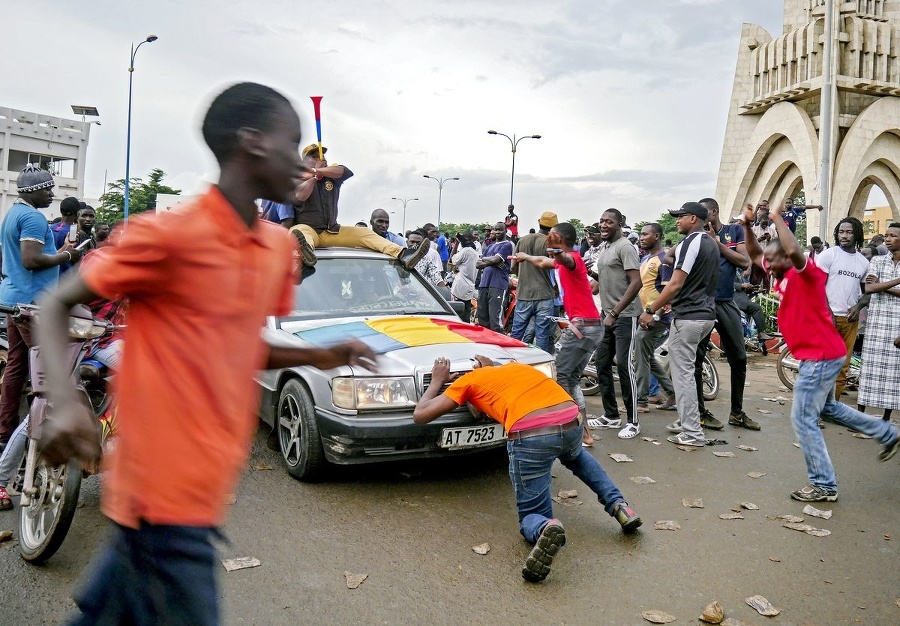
149	39
513	143
440	182
404	201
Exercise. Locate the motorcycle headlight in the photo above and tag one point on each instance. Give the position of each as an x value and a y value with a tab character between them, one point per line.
547	368
80	328
371	393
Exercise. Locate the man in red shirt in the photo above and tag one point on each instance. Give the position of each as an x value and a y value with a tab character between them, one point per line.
542	425
578	341
200	283
805	321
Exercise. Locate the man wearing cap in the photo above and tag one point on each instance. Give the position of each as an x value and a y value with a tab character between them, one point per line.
316	210
692	292
30	266
534	292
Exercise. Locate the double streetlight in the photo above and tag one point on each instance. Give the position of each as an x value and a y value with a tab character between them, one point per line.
404	201
513	143
440	182
149	39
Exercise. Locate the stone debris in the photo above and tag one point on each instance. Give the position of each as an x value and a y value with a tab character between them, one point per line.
571	493
658	617
806	528
731	516
620	458
693	504
242	562
262	467
231	498
861	436
687	448
747	448
642	480
354	580
482	548
786	518
749	506
764	411
725	455
5	535
775	559
713	613
756	474
762	606
666	524
811	510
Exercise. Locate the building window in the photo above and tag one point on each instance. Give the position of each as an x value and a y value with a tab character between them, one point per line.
59	167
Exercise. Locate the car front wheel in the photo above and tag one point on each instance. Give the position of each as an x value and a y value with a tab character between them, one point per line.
298	433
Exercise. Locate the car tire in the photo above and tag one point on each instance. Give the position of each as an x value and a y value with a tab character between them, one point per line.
298	433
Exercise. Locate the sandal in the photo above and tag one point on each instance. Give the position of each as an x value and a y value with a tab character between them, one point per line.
668	405
5	501
630	431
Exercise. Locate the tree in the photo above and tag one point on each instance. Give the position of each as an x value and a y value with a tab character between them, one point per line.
142	197
670	230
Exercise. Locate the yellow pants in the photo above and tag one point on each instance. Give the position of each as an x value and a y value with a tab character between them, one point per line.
350	237
848	331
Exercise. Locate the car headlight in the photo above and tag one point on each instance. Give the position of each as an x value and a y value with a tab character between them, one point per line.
371	393
547	368
80	328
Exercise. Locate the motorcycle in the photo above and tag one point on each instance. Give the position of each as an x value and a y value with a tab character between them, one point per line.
49	495
788	368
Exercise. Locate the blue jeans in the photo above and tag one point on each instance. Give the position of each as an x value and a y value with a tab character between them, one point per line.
530	461
542	311
814	397
153	575
14	453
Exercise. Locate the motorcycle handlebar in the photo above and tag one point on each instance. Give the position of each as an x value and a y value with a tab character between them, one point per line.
12	310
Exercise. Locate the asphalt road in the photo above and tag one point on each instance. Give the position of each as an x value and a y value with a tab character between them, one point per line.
411	529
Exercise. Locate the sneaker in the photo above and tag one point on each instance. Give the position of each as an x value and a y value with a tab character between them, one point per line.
684	439
307	252
630	431
409	257
811	493
675	427
741	419
537	565
601	421
6	502
627	517
890	450
668	405
708	420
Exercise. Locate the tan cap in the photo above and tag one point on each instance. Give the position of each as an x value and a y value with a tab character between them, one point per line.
312	149
548	219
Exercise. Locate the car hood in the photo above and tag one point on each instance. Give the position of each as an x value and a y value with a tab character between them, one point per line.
396	359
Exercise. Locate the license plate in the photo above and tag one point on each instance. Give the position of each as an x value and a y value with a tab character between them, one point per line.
471	436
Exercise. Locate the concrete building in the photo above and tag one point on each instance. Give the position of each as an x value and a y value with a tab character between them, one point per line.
876	219
56	144
772	140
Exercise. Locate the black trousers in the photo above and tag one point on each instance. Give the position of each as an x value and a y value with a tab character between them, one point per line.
728	325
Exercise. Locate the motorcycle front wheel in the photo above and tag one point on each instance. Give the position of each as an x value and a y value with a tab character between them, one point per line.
44	523
788	368
710	379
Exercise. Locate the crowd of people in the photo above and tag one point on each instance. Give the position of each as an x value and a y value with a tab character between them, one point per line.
172	468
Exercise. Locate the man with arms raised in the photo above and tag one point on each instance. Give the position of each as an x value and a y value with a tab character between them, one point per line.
805	322
181	447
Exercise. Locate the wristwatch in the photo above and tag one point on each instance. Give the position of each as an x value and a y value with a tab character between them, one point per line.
649	311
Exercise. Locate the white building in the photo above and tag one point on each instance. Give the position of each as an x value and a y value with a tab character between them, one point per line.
54	143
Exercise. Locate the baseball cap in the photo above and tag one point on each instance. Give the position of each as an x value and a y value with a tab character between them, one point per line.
691	208
548	219
312	149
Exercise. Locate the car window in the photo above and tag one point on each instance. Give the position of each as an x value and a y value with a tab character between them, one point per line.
342	287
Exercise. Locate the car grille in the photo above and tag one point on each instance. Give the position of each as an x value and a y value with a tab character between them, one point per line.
426	381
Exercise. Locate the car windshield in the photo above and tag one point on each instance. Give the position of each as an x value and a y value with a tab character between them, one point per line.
346	287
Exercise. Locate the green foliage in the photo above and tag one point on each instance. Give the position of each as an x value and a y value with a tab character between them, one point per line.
578	224
142	197
670	231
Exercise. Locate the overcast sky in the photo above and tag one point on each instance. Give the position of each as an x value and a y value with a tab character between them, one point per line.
630	97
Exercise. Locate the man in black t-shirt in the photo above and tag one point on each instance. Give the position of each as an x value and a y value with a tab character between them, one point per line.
692	292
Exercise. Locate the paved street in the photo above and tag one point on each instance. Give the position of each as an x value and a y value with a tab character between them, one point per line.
412	527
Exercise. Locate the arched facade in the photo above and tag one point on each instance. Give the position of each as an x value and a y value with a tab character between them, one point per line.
772	140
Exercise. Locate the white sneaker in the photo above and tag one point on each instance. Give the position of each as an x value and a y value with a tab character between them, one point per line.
630	431
601	421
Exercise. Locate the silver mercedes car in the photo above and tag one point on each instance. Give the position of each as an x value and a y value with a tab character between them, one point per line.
349	415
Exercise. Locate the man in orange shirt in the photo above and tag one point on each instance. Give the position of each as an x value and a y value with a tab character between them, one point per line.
542	425
200	283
